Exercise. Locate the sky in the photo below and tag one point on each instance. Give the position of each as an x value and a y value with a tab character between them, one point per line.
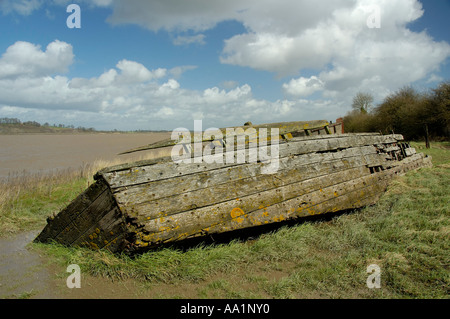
161	64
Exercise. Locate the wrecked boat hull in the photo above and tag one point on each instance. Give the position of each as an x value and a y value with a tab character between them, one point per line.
134	207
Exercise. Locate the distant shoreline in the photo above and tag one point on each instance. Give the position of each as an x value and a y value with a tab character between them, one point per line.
19	129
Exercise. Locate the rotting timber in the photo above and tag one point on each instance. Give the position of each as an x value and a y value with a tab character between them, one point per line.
137	206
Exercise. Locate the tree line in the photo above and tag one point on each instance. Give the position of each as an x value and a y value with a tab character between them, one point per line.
16	121
416	115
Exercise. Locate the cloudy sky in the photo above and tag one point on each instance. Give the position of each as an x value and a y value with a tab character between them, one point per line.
161	64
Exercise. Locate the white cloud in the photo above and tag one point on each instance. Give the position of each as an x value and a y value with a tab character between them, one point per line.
130	73
286	37
128	96
215	96
336	34
165	113
24	58
135	72
303	86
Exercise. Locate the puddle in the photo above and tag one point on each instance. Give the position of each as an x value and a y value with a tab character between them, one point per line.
22	271
26	274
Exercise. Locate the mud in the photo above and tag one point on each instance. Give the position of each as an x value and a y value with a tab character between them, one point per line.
23	273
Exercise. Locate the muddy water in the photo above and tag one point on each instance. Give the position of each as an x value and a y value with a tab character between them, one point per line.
34	153
22	271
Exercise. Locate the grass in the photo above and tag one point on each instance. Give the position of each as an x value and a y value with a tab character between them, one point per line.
406	234
27	200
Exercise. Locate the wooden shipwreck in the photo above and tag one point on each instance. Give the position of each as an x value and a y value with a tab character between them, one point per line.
140	205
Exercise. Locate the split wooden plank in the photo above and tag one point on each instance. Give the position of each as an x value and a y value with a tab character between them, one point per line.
417	158
283	128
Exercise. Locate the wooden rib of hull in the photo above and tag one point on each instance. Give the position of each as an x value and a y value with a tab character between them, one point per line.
298	128
135	206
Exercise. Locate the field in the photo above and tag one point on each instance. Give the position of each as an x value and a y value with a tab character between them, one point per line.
406	234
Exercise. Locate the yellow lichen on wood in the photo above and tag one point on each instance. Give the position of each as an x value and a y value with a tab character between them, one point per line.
236	213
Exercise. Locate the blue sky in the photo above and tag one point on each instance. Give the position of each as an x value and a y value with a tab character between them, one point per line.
163	64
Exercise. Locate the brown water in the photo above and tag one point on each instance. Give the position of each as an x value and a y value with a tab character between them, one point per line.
22	271
33	153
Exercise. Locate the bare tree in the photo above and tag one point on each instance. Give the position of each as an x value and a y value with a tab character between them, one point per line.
362	102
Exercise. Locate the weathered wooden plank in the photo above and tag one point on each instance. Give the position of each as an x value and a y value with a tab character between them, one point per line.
86	219
350	200
119	243
71	212
145	174
283	127
186	183
102	232
127	166
416	161
238	189
201	222
415	158
206	216
410	151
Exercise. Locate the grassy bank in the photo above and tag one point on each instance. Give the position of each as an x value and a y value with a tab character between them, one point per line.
26	201
406	234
